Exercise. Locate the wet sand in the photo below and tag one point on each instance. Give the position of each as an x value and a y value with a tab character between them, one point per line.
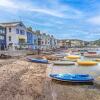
65	91
58	90
22	80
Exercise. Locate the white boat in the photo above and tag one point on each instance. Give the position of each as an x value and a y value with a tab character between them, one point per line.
63	63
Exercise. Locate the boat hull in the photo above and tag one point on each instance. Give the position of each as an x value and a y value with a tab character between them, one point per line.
64	63
73	57
72	77
38	60
87	63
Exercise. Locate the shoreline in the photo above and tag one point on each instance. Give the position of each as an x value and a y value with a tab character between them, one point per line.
22	80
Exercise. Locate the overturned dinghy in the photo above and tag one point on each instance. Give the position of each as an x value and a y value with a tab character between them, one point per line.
38	60
72	77
63	63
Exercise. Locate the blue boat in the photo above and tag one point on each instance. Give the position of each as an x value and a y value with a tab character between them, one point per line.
38	60
72	77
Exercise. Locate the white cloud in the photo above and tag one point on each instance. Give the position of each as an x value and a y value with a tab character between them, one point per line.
94	20
46	11
57	9
42	24
7	4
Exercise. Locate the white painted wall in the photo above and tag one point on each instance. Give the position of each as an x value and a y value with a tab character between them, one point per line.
14	36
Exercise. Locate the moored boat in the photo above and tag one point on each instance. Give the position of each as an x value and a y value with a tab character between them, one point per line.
38	60
72	77
73	57
92	55
50	57
98	60
92	52
86	63
63	63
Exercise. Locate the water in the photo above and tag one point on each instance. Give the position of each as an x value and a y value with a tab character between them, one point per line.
93	71
77	69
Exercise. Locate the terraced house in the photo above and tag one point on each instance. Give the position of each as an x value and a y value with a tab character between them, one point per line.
43	41
48	45
48	42
2	38
16	34
32	39
52	42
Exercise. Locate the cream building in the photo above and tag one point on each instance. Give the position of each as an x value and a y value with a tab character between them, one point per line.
76	43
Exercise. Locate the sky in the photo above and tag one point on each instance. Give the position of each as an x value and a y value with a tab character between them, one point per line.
65	19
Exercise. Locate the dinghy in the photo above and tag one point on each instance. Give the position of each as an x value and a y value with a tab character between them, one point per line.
92	55
73	57
87	63
37	60
72	77
98	60
63	63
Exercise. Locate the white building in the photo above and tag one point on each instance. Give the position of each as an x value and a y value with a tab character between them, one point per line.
43	41
56	43
48	42
48	38
16	34
35	40
52	42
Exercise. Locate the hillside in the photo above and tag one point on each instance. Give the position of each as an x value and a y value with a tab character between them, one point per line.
97	42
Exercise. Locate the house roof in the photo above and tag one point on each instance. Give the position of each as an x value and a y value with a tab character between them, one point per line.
2	26
8	24
28	30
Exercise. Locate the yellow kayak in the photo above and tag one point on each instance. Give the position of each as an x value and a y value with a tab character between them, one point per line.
87	63
73	57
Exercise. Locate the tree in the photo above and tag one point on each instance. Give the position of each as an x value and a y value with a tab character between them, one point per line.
97	42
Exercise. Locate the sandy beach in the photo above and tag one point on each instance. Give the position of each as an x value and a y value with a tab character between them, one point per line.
23	80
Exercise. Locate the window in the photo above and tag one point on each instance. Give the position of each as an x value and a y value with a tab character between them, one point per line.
1	37
17	31
9	38
34	41
45	42
20	25
42	42
22	32
10	29
2	30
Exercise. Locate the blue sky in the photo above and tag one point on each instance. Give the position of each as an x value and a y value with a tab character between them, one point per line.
65	19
